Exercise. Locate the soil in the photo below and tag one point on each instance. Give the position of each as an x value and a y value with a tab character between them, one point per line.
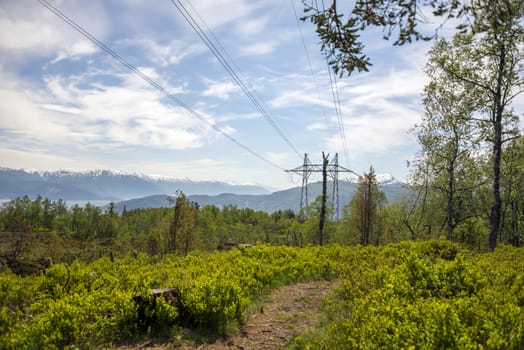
282	315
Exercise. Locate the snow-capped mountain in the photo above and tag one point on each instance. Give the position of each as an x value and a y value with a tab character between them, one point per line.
386	179
105	185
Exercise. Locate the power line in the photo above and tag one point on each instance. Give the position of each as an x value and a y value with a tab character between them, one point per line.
333	85
229	58
338	111
216	52
150	81
308	59
336	101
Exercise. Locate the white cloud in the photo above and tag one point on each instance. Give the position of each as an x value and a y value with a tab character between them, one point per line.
90	115
87	102
77	49
200	169
377	109
165	54
60	88
304	96
377	132
279	157
28	29
317	126
253	26
220	89
259	48
395	84
23	35
225	117
23	117
220	13
40	159
62	109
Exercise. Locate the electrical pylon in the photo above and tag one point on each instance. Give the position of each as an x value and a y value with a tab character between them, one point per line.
307	169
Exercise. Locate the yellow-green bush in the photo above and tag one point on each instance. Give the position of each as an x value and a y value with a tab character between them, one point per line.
426	295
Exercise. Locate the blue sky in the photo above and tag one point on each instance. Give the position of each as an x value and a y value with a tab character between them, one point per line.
66	104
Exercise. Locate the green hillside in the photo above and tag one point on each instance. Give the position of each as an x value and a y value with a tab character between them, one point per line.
423	295
280	200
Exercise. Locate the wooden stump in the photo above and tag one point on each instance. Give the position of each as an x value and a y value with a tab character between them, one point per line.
146	304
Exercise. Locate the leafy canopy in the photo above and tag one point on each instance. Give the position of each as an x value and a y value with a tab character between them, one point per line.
403	21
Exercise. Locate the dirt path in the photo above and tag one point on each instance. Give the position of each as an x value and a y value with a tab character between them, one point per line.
287	312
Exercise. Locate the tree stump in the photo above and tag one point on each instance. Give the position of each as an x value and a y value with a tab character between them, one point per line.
147	304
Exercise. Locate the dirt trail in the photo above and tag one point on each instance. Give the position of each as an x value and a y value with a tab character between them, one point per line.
283	314
287	312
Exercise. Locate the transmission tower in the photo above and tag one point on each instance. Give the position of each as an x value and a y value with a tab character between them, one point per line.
332	172
307	169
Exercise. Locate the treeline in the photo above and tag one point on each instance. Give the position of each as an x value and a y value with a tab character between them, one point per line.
35	233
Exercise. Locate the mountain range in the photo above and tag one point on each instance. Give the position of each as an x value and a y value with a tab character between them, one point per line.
134	191
105	185
280	200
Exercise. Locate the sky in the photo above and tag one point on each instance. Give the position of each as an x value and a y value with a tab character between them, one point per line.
67	104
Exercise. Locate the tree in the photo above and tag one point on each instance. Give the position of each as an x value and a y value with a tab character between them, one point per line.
35	216
112	210
485	56
512	226
309	218
394	215
210	225
47	215
322	217
60	216
449	144
365	209
490	65
183	224
399	19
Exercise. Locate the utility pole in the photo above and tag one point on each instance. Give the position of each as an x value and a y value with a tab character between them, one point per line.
325	162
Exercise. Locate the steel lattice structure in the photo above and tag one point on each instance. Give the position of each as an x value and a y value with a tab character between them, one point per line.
308	168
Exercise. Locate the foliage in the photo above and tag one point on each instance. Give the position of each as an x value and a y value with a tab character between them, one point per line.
34	233
90	305
474	80
450	153
340	33
365	218
182	225
512	229
427	295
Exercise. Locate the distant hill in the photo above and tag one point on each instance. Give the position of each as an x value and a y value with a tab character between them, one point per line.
105	185
286	199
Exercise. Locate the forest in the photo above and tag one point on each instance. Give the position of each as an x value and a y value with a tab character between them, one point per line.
38	232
